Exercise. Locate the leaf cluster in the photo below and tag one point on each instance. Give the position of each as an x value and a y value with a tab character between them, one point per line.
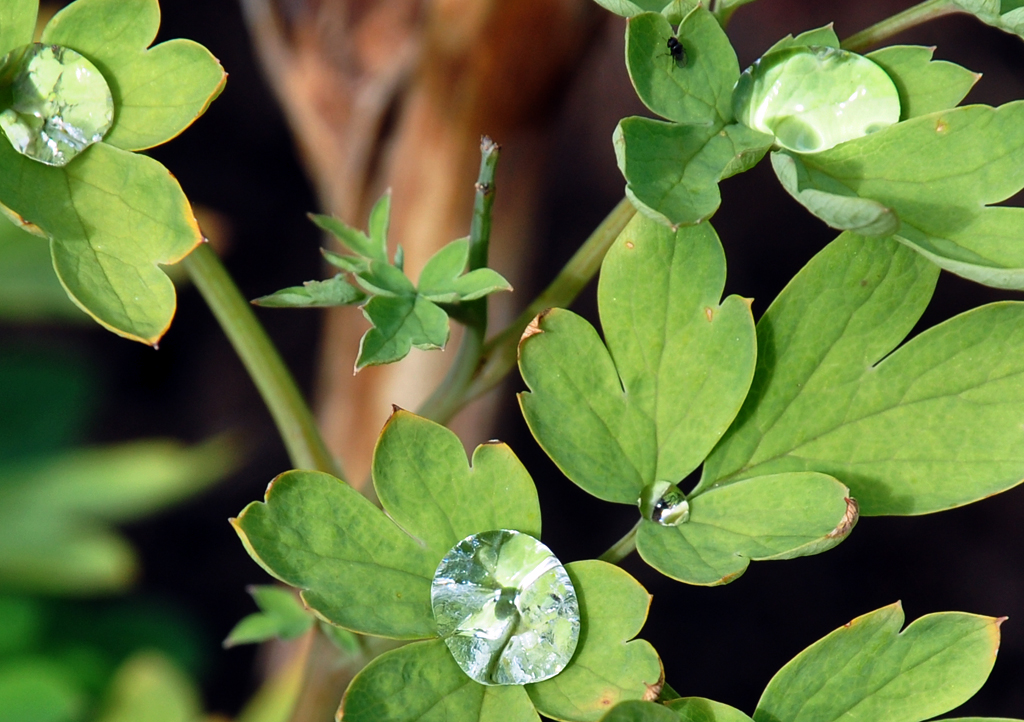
402	315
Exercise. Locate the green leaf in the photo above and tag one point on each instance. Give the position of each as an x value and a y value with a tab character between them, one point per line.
341	638
356	568
400	323
427	486
607	668
869	671
699	91
17	23
421	682
283	617
150	687
767	517
832	202
936	424
629	8
439	273
698	709
634	711
112	217
442	280
938	173
34	689
672	171
158	92
314	294
824	36
380	219
352	264
925	85
1007	15
383	279
352	238
678	364
54	511
29	291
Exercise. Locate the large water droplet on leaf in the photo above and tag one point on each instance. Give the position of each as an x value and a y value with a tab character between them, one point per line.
56	103
506	608
814	98
665	503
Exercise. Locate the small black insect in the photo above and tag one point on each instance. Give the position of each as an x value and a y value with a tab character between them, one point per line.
677	51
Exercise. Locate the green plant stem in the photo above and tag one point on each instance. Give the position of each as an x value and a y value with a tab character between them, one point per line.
294	420
623	547
498	355
474	316
909	18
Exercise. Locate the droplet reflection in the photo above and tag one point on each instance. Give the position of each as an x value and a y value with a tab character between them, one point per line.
58	103
506	608
664	503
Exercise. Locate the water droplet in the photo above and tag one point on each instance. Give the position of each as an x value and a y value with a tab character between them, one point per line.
664	503
506	608
59	103
814	98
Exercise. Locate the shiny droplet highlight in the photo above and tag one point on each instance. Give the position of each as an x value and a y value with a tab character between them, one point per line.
506	608
55	103
664	503
814	98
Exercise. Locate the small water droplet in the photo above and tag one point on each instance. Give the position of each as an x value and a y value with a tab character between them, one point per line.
506	608
814	98
60	103
664	503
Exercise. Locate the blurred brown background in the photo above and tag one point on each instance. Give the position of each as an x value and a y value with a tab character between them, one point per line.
396	93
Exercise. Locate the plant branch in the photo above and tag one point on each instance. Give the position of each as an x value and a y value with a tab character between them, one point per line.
909	18
292	416
474	313
623	547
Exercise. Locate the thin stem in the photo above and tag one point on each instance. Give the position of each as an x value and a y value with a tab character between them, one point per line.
294	420
623	547
442	404
909	18
499	353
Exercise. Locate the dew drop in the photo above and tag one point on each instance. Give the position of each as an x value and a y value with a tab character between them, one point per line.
506	608
814	98
57	103
664	503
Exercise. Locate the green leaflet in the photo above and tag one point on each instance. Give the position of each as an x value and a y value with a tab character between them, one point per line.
698	709
678	363
402	315
607	667
17	23
421	682
29	291
629	8
672	171
651	405
369	572
936	424
1007	15
112	217
633	711
869	671
938	174
824	36
281	616
158	92
314	294
770	517
36	688
925	85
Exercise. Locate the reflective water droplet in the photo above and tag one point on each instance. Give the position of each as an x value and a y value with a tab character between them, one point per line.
664	503
814	98
506	608
58	104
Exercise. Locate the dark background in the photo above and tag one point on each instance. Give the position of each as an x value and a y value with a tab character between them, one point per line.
724	643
